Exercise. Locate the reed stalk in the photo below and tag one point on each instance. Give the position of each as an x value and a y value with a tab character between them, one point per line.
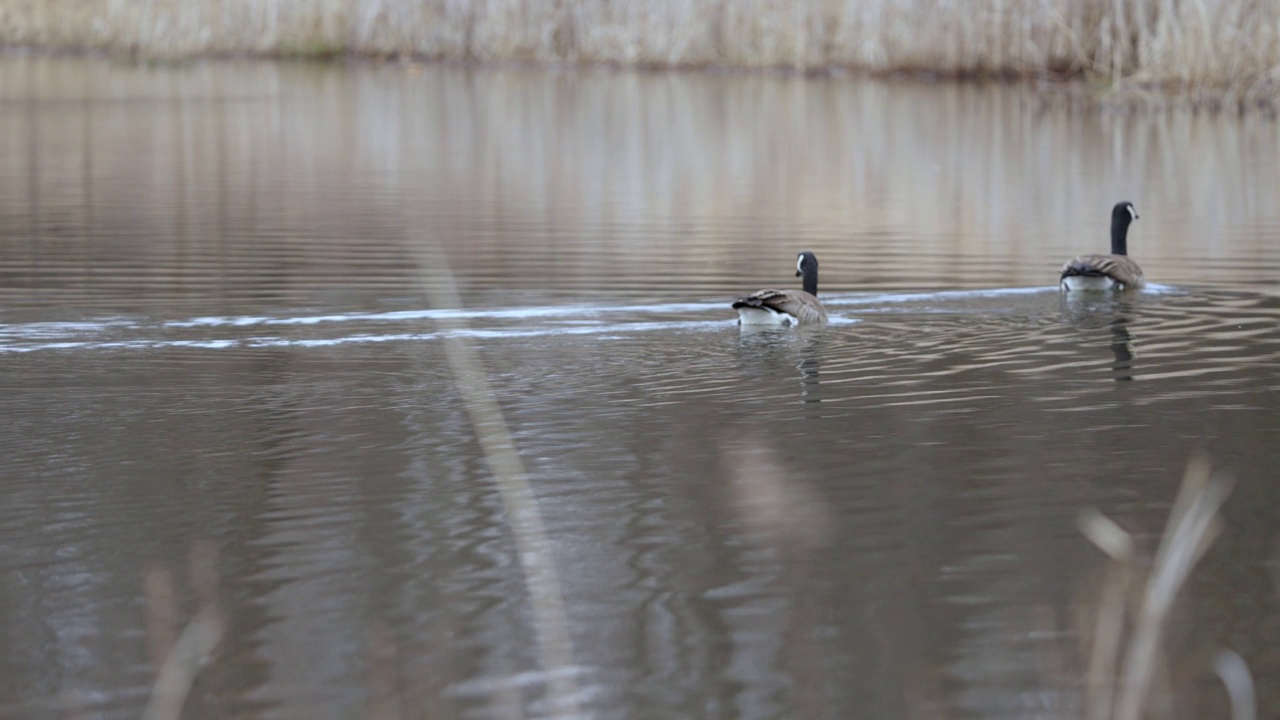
1124	633
533	544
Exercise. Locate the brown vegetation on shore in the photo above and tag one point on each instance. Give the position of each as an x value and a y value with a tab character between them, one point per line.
1225	49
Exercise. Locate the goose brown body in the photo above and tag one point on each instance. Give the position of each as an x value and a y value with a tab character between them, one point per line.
798	305
785	307
1118	272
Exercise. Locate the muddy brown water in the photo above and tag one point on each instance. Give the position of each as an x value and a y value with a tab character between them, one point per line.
231	293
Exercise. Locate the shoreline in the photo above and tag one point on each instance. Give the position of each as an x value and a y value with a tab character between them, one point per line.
1069	89
1182	52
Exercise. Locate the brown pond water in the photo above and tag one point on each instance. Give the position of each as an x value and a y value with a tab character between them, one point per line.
229	332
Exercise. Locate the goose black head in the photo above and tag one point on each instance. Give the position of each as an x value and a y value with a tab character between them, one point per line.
1121	215
807	267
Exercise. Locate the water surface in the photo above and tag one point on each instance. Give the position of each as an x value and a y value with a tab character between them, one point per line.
228	329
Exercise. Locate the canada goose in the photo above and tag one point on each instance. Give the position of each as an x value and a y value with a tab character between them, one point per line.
785	307
1106	272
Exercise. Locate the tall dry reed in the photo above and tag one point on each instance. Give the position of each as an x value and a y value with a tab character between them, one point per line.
1128	665
1229	47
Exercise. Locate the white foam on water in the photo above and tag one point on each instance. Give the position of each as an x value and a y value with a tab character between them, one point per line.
549	320
518	313
601	329
905	297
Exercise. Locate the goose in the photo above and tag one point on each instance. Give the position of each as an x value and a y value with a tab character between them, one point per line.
1106	272
786	307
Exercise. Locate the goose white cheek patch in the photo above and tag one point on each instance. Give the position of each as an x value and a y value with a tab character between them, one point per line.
1132	212
800	264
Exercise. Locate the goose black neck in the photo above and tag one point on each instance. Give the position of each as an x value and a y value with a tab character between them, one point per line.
810	274
1120	220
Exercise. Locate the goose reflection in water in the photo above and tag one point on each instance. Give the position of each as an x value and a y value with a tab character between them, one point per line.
1122	349
808	340
1117	315
810	367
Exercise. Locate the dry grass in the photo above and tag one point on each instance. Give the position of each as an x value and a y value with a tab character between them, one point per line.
179	656
534	546
1128	676
1219	48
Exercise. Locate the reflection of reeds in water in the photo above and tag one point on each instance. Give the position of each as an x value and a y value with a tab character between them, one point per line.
786	516
1197	44
611	179
382	685
778	508
1124	631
